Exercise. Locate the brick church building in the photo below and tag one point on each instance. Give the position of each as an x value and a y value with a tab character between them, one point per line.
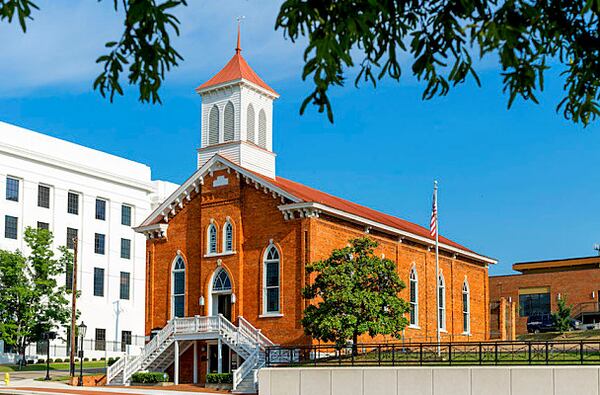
226	252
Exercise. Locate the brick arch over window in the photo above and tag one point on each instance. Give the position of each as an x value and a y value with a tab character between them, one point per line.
250	124
262	129
178	287
229	122
213	125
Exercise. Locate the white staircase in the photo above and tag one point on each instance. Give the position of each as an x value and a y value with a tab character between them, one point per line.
247	341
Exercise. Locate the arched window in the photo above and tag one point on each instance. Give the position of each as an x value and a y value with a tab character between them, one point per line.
228	237
221	282
262	129
441	302
213	126
178	288
211	247
228	123
271	269
250	124
414	297
466	307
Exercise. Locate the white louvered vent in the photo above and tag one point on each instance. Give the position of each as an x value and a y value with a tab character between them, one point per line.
262	129
229	123
213	128
251	132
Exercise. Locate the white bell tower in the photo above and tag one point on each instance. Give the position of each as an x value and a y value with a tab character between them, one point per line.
237	117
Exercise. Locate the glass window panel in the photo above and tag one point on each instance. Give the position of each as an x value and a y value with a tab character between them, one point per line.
12	189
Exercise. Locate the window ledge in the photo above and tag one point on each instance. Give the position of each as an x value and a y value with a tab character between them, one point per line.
219	254
271	315
414	327
443	330
466	333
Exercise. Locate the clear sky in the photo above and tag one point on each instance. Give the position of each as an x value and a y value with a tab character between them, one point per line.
519	184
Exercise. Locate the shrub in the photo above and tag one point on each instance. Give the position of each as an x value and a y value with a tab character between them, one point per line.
103	359
111	361
219	378
149	377
58	360
94	359
86	359
50	360
30	362
41	360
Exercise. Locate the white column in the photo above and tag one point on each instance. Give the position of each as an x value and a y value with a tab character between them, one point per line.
176	370
220	356
195	361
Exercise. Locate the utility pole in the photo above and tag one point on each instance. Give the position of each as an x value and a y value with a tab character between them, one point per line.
73	309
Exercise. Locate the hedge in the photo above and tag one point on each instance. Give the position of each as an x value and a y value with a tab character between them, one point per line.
149	377
219	378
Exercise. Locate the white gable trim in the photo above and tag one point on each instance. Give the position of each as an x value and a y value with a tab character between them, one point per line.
241	81
183	194
313	209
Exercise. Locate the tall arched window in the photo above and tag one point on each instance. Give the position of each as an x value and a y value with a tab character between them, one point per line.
178	288
271	269
251	124
441	302
466	307
229	122
262	129
228	237
211	247
213	126
414	297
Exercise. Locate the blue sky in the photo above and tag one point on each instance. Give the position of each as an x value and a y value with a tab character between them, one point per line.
519	184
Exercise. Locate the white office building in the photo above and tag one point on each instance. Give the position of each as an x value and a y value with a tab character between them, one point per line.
75	191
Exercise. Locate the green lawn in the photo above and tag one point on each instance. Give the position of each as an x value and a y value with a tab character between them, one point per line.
53	366
567	336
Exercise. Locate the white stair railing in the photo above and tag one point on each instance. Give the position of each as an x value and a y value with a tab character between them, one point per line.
246	368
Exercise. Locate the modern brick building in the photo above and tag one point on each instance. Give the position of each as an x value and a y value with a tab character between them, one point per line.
228	250
541	284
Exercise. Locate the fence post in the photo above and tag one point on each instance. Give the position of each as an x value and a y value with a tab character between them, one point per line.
546	353
450	353
581	352
393	355
379	354
340	356
529	352
480	355
421	354
496	353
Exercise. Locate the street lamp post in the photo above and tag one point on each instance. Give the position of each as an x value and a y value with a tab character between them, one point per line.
81	329
48	336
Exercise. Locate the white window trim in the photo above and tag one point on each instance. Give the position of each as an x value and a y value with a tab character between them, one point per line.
441	303
225	250
413	270
466	290
209	251
184	270
266	313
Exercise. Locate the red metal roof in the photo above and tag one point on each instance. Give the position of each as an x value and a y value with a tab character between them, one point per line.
237	68
308	194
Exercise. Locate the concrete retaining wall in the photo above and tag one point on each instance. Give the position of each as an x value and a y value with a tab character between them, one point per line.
521	380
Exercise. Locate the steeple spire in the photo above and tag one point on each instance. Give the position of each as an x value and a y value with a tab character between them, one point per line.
238	48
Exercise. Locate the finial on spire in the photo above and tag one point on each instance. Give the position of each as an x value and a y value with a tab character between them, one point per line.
238	48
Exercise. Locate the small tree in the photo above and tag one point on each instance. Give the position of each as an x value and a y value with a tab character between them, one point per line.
354	292
30	300
562	316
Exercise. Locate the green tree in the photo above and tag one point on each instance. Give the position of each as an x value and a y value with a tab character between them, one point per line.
441	41
31	302
562	316
354	292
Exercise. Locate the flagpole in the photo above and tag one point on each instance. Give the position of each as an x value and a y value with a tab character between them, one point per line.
437	266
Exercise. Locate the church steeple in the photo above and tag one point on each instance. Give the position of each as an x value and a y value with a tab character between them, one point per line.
237	113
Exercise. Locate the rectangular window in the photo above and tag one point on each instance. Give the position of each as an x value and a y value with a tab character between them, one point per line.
125	248
98	281
73	203
100	339
69	276
101	209
71	236
178	293
125	340
41	347
126	215
11	225
272	283
413	303
99	243
466	313
43	225
43	196
12	189
534	304
124	293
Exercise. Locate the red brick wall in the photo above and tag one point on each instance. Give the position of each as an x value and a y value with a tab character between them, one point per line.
576	285
256	221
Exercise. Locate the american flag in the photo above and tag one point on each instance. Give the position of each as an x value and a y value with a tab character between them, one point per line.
433	224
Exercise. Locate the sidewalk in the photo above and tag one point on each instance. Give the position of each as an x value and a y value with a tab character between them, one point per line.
32	387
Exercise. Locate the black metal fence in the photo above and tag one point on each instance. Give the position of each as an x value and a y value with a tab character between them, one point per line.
419	354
